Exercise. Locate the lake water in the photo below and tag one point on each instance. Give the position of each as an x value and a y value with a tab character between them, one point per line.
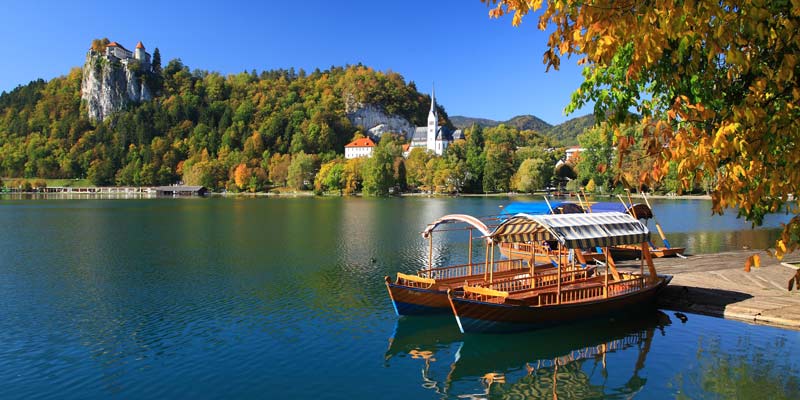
284	298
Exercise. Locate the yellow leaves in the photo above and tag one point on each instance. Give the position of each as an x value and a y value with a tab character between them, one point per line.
741	142
786	71
780	249
752	261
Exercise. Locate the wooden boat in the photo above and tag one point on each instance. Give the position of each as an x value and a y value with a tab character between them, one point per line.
638	211
520	303
426	291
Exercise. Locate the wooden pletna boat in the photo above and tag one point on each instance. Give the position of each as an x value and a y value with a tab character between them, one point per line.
426	291
641	212
523	303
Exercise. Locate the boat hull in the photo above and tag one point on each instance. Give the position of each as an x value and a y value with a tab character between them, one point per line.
417	301
482	317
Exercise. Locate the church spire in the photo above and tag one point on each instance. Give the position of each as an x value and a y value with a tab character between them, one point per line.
433	98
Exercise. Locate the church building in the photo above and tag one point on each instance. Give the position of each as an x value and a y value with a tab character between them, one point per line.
434	138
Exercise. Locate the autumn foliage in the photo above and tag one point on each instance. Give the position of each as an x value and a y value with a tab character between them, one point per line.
714	83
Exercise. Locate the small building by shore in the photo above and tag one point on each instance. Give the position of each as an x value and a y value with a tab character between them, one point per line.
181	191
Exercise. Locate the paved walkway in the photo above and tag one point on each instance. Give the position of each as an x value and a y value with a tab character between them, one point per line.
716	284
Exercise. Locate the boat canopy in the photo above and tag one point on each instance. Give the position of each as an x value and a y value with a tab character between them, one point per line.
642	211
538	208
573	230
452	218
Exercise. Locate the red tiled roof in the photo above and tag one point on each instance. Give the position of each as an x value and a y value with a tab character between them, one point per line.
115	44
139	45
363	142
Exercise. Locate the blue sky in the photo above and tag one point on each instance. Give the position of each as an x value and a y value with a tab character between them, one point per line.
482	67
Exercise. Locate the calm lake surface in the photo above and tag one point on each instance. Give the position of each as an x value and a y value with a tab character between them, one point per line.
284	298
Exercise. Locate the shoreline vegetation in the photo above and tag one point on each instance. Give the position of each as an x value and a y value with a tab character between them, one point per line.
146	192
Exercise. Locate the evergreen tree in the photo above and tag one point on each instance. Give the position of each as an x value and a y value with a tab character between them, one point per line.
156	62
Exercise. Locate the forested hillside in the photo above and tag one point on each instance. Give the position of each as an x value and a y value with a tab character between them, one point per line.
200	124
256	132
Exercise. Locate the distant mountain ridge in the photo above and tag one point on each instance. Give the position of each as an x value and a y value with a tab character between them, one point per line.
566	132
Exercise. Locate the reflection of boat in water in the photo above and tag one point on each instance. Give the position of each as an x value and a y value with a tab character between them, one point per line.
547	363
517	304
422	335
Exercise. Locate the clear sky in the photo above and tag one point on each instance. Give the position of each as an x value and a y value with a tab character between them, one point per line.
481	67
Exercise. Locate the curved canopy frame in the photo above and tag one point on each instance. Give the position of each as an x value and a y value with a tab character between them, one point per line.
573	230
467	219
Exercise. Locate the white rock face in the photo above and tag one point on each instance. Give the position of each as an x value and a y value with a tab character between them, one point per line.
108	87
369	116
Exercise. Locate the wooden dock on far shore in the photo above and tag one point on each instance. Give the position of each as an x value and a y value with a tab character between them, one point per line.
716	284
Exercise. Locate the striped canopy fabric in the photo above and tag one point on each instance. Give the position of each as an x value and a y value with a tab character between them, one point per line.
573	230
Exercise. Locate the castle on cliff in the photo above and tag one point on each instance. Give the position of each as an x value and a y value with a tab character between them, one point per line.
117	52
113	77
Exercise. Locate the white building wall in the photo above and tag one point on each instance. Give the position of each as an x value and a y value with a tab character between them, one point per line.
356	152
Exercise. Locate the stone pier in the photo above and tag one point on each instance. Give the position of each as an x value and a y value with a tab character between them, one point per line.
716	284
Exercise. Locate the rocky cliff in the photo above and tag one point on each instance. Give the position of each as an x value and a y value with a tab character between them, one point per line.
109	85
370	116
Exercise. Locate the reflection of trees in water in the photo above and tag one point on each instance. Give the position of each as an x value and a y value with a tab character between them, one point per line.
742	373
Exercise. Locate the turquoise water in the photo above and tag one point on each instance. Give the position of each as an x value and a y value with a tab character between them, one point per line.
283	298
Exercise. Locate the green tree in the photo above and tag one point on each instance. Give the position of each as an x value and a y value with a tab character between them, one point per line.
279	168
101	173
416	169
331	176
301	171
529	177
379	174
353	177
476	159
596	162
156	61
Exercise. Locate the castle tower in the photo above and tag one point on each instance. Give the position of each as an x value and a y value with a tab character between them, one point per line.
433	123
142	56
139	52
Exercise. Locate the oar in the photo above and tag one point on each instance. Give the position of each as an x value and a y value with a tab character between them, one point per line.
630	202
625	205
580	201
548	204
589	206
658	226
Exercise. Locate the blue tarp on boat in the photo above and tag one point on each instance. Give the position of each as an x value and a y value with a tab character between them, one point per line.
605	206
641	210
540	208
